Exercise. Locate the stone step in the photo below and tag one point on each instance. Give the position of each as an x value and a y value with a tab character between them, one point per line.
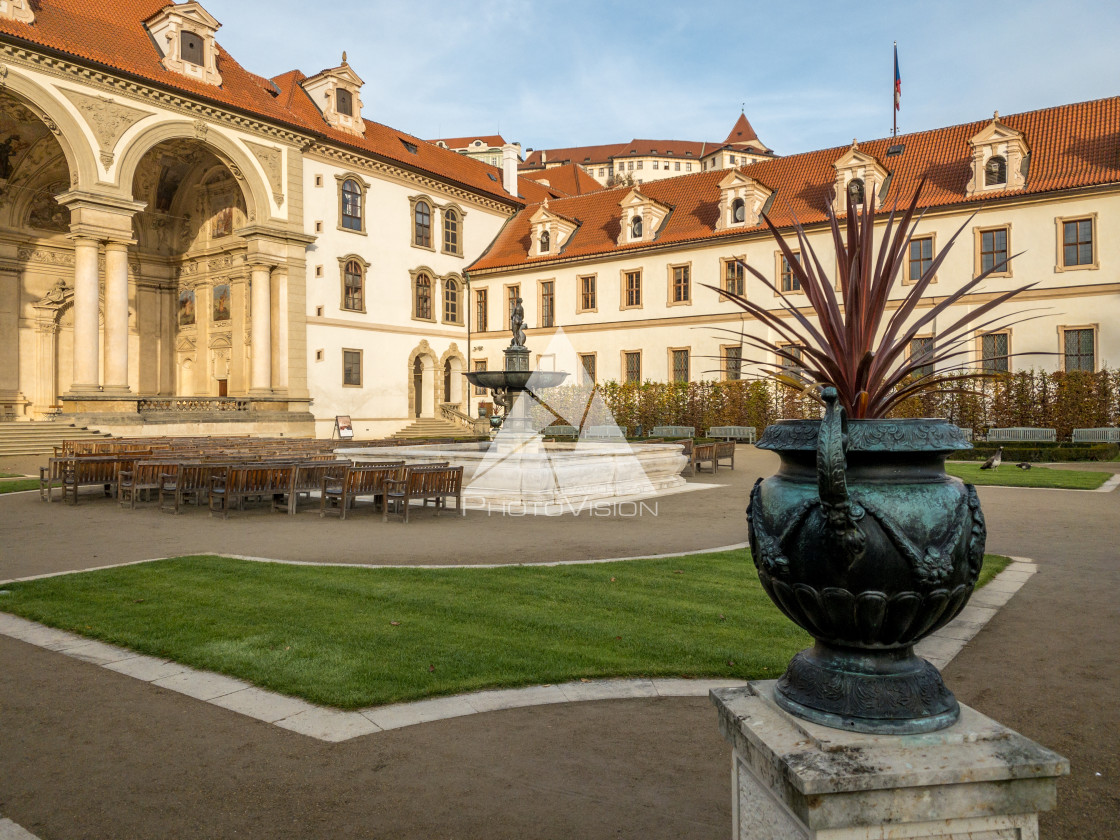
430	427
40	437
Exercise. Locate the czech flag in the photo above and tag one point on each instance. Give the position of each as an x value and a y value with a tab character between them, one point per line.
897	81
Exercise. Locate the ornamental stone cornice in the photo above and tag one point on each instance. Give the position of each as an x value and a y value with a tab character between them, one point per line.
180	103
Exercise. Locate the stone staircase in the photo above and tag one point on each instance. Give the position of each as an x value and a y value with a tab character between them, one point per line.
431	427
39	437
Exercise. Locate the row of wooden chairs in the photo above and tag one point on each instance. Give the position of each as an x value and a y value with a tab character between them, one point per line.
393	486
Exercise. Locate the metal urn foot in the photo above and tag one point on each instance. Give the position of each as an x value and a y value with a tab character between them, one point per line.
882	693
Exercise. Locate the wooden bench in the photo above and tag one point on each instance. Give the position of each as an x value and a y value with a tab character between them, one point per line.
725	451
141	477
673	432
308	477
237	483
704	453
89	471
1108	434
186	482
427	483
338	493
1022	433
744	434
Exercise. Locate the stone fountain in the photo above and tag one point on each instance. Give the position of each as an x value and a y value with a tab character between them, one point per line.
519	472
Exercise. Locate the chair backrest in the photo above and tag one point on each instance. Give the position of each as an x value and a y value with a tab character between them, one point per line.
371	478
1108	434
673	431
1023	433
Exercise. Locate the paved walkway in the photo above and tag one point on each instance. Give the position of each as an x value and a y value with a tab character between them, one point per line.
85	752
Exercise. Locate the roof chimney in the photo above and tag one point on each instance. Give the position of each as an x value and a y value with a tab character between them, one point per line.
509	168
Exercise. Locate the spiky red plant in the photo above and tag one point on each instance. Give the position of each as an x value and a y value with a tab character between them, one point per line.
856	346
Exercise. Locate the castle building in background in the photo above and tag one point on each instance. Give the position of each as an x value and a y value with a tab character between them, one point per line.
487	149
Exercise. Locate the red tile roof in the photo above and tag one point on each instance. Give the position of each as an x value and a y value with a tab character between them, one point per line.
742	132
112	34
576	154
1071	146
569	179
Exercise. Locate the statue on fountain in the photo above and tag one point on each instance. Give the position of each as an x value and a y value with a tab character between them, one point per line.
517	324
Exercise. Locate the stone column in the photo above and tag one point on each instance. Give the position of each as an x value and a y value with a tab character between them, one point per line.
10	394
116	317
260	313
86	340
46	368
280	357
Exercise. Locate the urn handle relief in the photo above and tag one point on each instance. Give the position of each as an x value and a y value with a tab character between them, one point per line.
841	512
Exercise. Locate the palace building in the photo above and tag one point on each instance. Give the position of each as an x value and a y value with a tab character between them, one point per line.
186	246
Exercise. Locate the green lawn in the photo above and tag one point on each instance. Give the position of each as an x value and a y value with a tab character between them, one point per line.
359	637
1009	475
18	485
11	475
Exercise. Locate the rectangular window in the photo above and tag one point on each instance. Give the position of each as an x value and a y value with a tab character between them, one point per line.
921	258
733	363
480	364
688	167
632	289
735	277
481	310
993	353
640	164
587	298
587	369
993	250
1077	242
352	367
680	365
677	165
731	158
1079	350
794	351
630	165
548	304
681	285
633	365
790	281
918	347
512	294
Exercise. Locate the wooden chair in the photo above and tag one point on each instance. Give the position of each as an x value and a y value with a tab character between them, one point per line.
724	452
428	483
185	482
309	476
142	477
240	482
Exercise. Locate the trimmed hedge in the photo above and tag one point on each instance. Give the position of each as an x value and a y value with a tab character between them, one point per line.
1041	452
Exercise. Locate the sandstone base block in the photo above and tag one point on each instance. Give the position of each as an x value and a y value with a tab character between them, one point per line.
796	780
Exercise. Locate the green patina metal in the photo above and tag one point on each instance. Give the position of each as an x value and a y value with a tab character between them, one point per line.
863	540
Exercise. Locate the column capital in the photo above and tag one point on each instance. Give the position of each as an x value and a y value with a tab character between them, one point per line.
100	216
118	244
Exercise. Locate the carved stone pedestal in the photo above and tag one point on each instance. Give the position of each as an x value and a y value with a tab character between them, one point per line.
796	780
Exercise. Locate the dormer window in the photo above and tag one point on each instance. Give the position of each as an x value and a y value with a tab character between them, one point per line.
191	48
741	201
337	93
344	102
855	191
184	35
550	232
636	227
995	171
642	218
546	242
999	158
859	176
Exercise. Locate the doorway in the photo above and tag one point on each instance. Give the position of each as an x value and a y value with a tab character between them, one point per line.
418	385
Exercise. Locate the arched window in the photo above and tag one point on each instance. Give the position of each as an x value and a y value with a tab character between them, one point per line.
995	171
423	297
855	190
451	301
423	225
450	232
344	102
190	48
636	227
738	211
546	241
353	286
351	205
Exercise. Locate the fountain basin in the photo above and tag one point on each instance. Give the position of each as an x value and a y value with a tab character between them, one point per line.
526	471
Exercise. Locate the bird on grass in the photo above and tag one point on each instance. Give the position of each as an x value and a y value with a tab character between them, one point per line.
994	461
1023	465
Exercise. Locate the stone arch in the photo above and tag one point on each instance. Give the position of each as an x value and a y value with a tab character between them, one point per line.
422	381
255	191
44	104
453	362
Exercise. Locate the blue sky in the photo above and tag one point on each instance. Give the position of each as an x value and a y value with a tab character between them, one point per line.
812	74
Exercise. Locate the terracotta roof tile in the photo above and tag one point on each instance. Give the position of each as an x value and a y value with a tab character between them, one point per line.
566	180
1071	146
112	34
